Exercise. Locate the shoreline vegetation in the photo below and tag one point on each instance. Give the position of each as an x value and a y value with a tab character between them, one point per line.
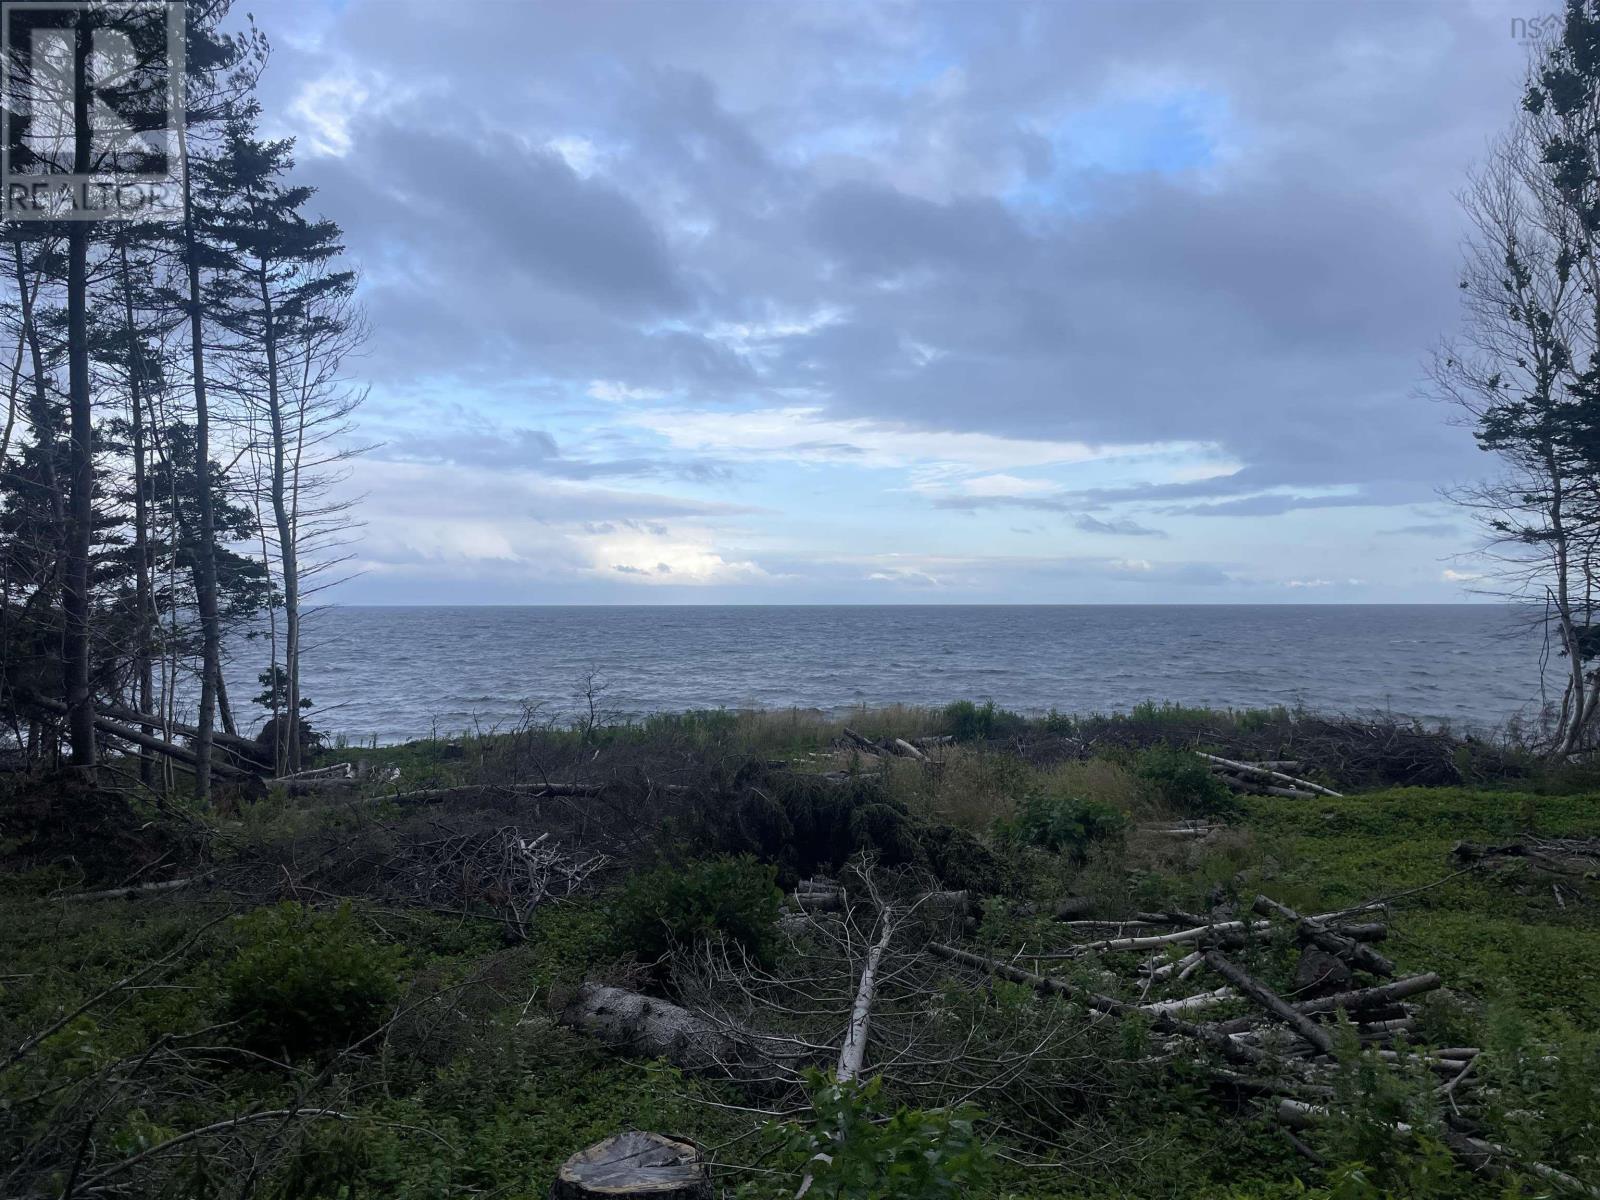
908	952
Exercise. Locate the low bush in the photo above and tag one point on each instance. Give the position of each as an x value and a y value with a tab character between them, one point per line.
1064	824
736	898
857	1147
969	722
1180	781
305	982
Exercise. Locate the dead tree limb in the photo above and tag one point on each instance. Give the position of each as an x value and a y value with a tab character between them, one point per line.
1270	1001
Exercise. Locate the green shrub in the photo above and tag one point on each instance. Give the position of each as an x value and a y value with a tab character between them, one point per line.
1181	782
969	722
735	897
856	1148
304	982
1064	824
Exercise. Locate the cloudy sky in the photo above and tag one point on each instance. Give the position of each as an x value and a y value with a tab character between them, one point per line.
756	302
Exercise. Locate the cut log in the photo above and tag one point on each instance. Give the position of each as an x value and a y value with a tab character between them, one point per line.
1361	1000
1189	1004
1318	934
907	750
1270	1001
651	1028
645	1166
1267	773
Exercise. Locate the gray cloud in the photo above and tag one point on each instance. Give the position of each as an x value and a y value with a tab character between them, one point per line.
1118	525
917	171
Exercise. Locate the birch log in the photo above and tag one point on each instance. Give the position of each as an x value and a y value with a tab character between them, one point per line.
853	1054
1268	773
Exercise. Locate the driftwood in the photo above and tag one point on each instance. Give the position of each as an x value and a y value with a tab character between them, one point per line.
645	1166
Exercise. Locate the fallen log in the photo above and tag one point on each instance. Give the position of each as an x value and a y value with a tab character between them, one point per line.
1360	1000
907	750
645	1166
1268	773
241	748
335	771
853	1054
138	737
1314	931
525	790
1270	1001
136	890
1151	941
650	1028
861	743
1188	1004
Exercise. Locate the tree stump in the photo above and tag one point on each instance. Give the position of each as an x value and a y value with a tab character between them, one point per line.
640	1165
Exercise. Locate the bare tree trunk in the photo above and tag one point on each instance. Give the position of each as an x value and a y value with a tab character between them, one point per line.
75	595
287	551
143	668
205	550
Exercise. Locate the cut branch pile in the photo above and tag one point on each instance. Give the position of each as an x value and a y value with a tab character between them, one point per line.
1283	1052
1264	778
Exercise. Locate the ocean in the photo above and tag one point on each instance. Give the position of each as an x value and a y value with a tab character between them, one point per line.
395	673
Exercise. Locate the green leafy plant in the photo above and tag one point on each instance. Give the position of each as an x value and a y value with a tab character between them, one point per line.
1181	782
306	982
1064	824
737	898
854	1148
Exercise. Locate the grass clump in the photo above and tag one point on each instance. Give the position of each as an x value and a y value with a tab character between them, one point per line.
736	898
306	982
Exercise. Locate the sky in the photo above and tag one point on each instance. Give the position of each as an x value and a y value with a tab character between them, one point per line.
750	302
